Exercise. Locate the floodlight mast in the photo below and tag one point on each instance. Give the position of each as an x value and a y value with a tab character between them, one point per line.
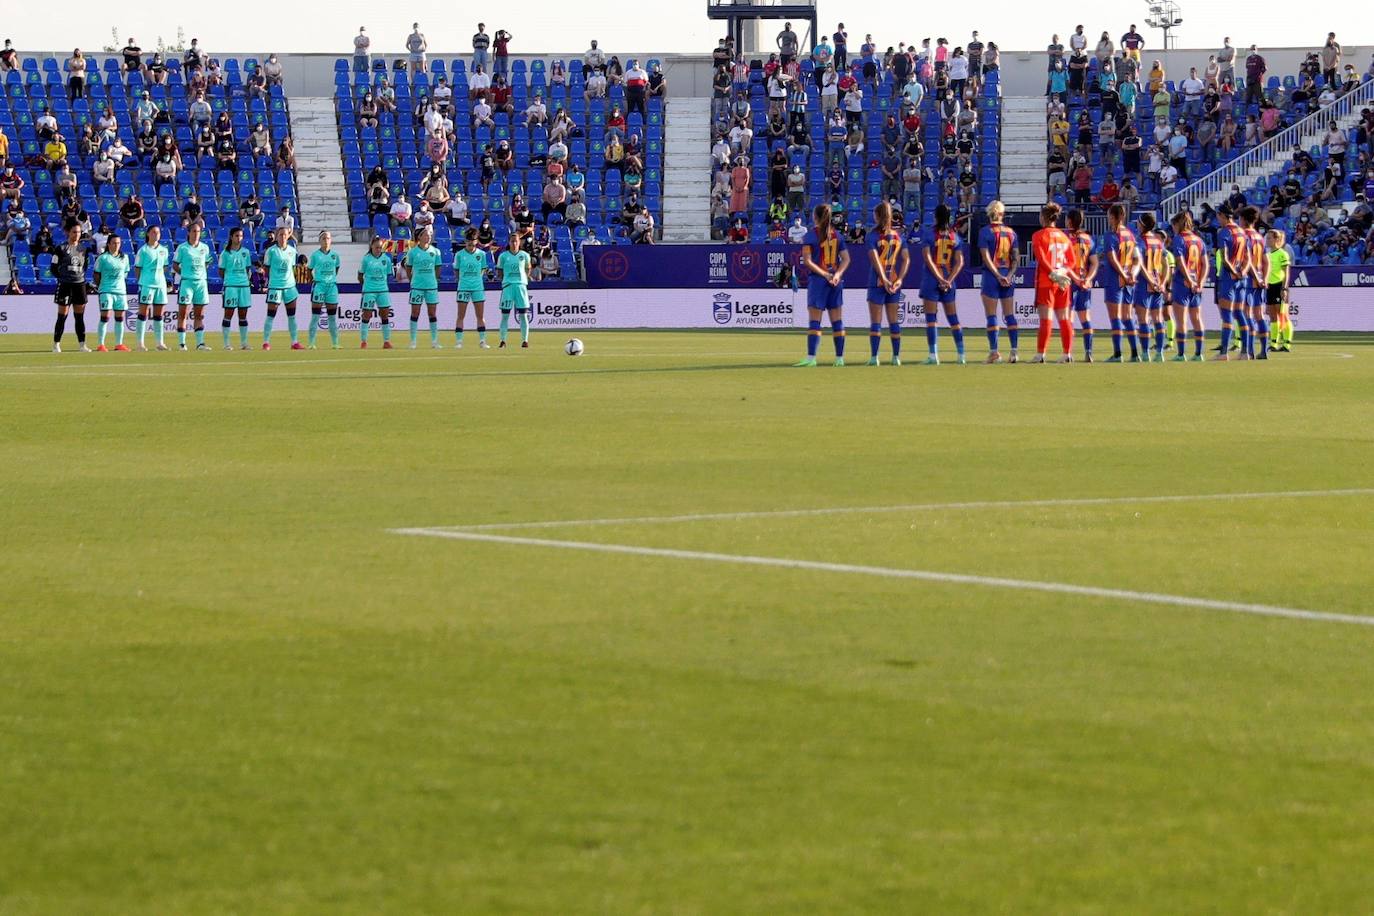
1165	15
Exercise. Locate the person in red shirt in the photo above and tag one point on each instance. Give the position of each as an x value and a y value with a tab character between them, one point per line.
1052	249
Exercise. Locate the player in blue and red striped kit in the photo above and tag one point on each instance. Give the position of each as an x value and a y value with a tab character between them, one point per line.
824	255
944	258
888	262
997	248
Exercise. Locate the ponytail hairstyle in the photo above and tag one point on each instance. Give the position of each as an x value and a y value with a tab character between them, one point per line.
1075	219
1249	215
1182	222
941	217
996	210
821	216
1147	223
882	216
1049	214
1116	215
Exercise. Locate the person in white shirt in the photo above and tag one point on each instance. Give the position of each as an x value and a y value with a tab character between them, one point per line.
46	124
741	138
796	233
362	60
285	221
478	84
830	91
596	86
536	114
854	105
594	61
434	119
481	114
400	212
1168	177
643	228
103	172
416	46
720	153
1078	41
1192	89
456	210
117	151
424	216
443	94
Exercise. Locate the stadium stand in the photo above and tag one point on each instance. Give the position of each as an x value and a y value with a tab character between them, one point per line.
77	152
586	165
1122	130
913	128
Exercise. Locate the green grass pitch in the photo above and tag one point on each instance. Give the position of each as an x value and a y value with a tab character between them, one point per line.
227	686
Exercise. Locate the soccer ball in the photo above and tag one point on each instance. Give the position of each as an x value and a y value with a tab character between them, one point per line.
574	347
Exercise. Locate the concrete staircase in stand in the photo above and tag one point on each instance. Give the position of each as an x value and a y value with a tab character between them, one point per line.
1023	151
687	171
320	188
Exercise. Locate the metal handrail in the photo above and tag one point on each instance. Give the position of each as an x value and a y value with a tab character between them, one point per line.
1279	144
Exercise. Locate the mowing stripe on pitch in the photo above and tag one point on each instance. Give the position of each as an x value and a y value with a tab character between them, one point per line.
914	507
1058	588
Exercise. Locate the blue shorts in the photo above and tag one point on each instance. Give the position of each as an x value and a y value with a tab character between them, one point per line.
930	292
878	295
1120	295
1082	299
1256	297
1186	298
1148	299
1227	288
990	287
821	295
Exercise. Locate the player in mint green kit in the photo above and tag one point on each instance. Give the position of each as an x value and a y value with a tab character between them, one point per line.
324	294
235	262
375	274
471	263
281	287
193	293
111	277
422	270
514	265
151	264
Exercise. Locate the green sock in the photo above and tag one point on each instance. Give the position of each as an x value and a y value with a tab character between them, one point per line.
181	337
481	333
224	331
524	316
505	325
267	329
363	328
414	330
119	331
458	337
161	330
292	329
243	333
104	327
142	330
434	331
334	329
200	337
314	328
386	331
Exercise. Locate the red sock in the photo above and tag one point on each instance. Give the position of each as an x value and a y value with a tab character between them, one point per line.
1066	335
1042	337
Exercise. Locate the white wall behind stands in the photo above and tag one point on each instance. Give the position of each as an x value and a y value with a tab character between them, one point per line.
1023	72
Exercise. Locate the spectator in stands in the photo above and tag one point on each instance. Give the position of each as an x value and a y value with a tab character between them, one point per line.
593	60
250	213
501	53
595	85
1270	121
504	158
198	112
164	170
796	190
615	72
106	125
1168	179
416	46
436	147
155	70
260	143
378	200
1056	167
554	199
205	143
657	84
226	156
55	153
17	227
854	145
76	76
285	158
434	187
194	57
103	171
424	217
958	72
740	182
1078	75
272	70
479	84
637	89
45	125
642	231
4	145
11	185
1331	59
88	142
9	58
613	156
481	115
1192	89
787	43
362	58
1255	70
191	213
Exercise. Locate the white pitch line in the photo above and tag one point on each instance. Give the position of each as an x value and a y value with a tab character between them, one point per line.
914	507
1058	588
